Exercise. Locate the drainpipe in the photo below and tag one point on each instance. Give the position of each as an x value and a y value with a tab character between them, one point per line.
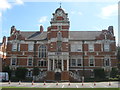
83	73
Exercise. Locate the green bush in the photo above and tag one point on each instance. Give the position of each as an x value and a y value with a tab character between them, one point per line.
114	72
20	73
35	71
99	73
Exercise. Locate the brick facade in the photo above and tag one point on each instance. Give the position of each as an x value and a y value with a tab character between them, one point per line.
61	51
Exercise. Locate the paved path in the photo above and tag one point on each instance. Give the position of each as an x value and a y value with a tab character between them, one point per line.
63	85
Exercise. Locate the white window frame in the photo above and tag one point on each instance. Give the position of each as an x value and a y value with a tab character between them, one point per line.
79	48
42	53
93	58
76	47
42	61
30	47
105	59
73	47
72	62
28	63
29	74
91	47
106	47
81	62
15	63
14	47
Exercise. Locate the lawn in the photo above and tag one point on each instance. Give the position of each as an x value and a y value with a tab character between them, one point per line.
18	88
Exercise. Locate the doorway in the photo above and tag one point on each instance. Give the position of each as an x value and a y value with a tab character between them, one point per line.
57	76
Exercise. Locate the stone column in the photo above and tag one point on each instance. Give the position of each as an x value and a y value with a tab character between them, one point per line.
67	64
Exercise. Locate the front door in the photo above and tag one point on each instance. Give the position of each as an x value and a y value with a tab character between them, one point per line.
57	76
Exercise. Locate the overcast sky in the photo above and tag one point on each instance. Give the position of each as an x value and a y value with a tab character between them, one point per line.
84	15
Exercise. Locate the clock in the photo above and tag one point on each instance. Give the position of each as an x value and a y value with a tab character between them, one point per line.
59	13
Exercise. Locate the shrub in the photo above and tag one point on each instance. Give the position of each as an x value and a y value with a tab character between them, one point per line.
114	72
20	73
99	73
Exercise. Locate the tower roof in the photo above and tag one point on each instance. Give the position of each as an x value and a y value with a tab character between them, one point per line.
59	9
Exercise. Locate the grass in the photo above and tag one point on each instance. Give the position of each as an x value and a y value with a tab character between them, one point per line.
27	88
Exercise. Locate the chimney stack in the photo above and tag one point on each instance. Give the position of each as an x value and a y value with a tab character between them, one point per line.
13	29
41	28
110	28
4	40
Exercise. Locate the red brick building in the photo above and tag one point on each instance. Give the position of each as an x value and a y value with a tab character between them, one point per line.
61	54
2	52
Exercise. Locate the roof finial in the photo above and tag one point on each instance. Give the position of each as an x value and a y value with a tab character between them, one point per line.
60	4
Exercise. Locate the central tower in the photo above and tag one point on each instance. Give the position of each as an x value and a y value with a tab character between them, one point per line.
58	45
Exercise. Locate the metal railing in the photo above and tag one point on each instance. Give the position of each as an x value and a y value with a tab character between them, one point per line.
75	76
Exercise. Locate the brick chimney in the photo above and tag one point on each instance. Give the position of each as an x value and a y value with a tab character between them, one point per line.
13	30
110	28
4	40
41	28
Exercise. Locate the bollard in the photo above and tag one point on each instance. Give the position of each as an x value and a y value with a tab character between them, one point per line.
44	83
9	82
69	84
94	83
56	83
32	82
82	83
19	82
109	84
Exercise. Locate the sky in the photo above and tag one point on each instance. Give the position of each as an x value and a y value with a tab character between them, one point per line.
84	15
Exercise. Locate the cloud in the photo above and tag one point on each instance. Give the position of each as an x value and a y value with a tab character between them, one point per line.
19	2
80	13
72	12
76	13
108	11
43	19
4	5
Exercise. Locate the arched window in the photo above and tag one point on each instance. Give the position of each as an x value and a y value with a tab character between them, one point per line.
42	51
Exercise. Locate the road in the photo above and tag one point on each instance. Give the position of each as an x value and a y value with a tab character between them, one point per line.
63	85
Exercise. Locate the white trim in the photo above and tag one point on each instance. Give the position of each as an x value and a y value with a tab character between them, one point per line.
93	61
43	63
14	47
28	60
12	60
39	51
91	47
108	57
30	47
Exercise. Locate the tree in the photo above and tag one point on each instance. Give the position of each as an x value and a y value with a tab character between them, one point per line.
99	73
35	72
20	73
8	70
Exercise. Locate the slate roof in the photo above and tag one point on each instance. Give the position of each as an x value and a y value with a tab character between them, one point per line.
34	35
73	35
83	35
